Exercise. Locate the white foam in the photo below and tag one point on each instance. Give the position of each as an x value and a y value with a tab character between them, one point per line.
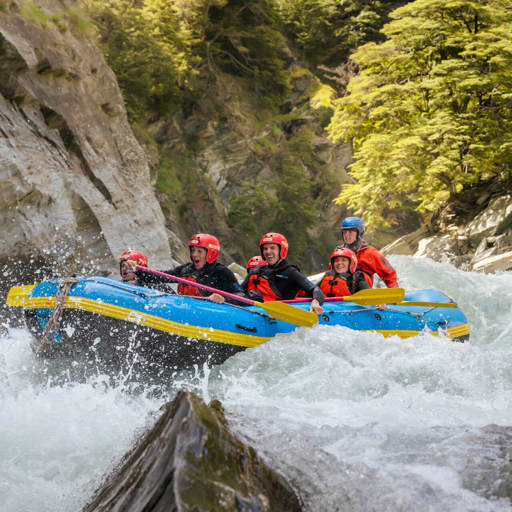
354	419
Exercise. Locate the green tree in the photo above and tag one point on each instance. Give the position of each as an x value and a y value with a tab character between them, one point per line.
430	112
243	37
251	214
326	31
287	205
148	50
165	52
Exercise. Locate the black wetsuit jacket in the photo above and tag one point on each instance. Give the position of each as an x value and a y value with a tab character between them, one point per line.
215	275
286	280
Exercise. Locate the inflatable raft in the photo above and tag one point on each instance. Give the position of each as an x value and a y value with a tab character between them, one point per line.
115	321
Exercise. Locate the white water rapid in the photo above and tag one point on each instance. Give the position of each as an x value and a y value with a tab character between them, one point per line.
355	421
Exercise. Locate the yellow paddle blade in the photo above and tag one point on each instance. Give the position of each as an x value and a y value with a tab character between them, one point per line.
375	296
17	295
289	313
428	304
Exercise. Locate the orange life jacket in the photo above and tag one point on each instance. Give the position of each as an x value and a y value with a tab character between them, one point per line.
334	285
184	289
261	284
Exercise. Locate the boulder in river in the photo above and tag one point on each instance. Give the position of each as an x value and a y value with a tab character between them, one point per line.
190	461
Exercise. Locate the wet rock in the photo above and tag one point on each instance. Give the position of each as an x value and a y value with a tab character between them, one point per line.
441	247
190	461
435	246
238	270
488	468
484	244
493	263
407	244
494	220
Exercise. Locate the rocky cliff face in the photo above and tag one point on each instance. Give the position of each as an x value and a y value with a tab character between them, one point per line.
72	174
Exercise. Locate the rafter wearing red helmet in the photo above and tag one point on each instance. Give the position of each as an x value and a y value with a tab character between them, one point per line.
253	264
278	280
343	277
127	263
203	268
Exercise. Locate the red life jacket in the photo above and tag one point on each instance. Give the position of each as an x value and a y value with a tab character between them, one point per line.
261	284
371	262
368	278
334	285
184	289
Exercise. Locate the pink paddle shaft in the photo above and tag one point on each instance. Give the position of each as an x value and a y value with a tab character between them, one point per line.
306	299
197	285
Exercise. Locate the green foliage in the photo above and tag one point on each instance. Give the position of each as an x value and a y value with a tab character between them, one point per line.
168	177
183	184
290	209
431	110
36	15
244	38
163	51
78	22
148	51
251	214
69	18
59	21
328	30
297	208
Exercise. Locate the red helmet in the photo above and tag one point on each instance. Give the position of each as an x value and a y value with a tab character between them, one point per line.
137	256
255	261
208	242
346	253
275	238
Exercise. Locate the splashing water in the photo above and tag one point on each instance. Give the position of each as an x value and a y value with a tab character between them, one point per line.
354	420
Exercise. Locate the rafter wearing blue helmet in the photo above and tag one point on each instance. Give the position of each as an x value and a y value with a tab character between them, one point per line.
370	260
354	223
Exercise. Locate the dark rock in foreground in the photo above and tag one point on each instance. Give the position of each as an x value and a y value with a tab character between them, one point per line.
190	461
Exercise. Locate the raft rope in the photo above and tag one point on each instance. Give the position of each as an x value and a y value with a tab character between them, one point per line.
53	324
349	311
419	315
122	286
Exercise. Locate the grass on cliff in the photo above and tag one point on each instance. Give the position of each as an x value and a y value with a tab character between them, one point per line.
70	18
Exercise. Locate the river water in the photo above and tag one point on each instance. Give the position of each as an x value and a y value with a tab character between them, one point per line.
355	421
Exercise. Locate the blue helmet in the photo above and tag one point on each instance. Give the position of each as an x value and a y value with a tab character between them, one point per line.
353	223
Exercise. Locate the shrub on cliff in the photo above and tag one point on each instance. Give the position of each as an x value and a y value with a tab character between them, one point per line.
431	110
327	31
148	51
163	51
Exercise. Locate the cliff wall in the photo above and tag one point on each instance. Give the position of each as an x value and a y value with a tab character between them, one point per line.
72	175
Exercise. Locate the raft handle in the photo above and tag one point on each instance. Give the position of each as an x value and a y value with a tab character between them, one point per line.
248	329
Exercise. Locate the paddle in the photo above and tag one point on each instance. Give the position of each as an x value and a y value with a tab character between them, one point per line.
370	297
278	310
